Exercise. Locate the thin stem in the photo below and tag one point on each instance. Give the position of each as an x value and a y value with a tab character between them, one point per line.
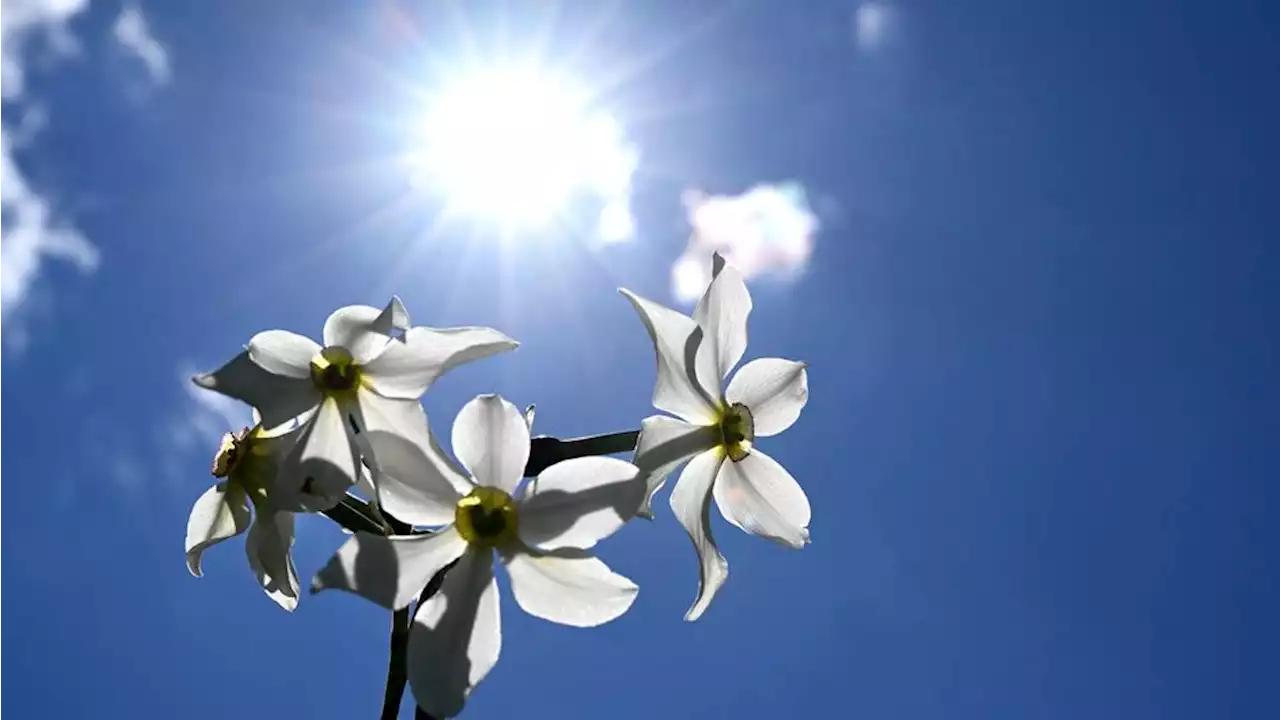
355	515
546	451
397	665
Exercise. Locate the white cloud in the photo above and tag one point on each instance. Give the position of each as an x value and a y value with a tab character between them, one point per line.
132	31
766	231
872	22
24	20
30	235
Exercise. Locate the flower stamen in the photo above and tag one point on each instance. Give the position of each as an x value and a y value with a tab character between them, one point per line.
230	453
486	517
737	431
334	370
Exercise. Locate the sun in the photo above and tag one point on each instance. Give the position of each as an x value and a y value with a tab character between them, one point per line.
518	146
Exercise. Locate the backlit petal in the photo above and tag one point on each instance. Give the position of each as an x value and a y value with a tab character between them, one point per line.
416	481
268	546
456	637
491	439
363	330
664	443
579	502
221	512
389	571
322	465
283	353
577	590
722	314
278	398
774	390
687	384
691	503
760	496
408	366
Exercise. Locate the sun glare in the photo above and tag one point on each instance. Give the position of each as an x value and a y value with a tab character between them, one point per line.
519	147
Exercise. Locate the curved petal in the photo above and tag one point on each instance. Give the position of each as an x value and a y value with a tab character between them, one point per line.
389	571
491	439
364	331
416	481
221	512
760	497
664	444
281	352
407	367
578	590
277	398
775	390
268	548
691	503
321	466
687	384
579	502
456	637
722	314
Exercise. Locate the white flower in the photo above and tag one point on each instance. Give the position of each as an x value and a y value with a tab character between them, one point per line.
247	464
716	428
367	377
542	537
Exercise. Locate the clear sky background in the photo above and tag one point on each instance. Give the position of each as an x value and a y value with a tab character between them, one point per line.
1040	317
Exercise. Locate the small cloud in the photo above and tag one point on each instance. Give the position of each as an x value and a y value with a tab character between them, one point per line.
872	22
765	232
34	19
134	35
30	233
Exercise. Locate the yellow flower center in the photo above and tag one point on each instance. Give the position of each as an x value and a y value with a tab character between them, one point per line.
486	517
737	431
334	371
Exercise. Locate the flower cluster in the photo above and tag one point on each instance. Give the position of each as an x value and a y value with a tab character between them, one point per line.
346	415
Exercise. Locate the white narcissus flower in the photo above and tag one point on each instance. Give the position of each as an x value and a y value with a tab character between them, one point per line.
246	466
542	536
716	426
368	376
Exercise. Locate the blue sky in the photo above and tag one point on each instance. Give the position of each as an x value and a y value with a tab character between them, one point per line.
1039	316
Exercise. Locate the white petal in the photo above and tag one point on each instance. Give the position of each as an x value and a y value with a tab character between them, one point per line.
691	503
364	331
664	444
323	464
579	502
283	353
407	367
775	390
279	399
760	496
491	439
687	384
456	637
389	571
267	546
722	314
579	590
221	512
416	481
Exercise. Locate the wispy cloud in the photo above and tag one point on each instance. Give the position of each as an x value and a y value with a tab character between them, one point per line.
40	20
30	233
766	231
133	33
872	22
